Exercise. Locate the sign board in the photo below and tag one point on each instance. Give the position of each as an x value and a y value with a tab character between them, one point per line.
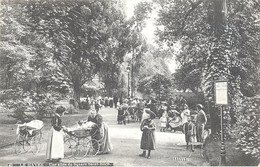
221	93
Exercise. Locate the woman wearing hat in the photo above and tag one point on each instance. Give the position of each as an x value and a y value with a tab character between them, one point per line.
148	137
55	146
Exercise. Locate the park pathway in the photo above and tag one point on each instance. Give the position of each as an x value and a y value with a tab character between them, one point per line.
126	143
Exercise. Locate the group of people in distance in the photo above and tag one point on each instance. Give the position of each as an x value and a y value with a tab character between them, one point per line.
130	108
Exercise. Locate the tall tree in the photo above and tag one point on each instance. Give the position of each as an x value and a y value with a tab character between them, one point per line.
15	51
223	45
154	77
79	32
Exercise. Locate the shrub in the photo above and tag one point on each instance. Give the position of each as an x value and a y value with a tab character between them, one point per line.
248	123
20	103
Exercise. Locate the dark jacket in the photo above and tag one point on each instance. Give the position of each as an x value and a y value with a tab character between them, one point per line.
56	123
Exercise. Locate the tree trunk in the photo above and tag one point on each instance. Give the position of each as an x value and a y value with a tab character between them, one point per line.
219	23
219	16
76	95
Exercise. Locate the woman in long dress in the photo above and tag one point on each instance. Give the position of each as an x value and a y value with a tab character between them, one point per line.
100	132
148	137
55	146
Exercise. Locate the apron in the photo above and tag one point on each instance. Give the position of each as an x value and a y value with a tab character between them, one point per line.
55	146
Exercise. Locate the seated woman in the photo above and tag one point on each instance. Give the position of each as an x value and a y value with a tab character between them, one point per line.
100	132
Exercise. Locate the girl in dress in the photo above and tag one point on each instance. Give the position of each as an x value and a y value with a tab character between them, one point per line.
148	136
163	121
55	146
185	114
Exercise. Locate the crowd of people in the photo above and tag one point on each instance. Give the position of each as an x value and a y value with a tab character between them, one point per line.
173	115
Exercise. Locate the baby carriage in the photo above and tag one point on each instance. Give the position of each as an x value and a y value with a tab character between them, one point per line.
78	142
29	137
174	121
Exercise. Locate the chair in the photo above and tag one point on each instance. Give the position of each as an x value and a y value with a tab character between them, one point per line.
205	134
196	144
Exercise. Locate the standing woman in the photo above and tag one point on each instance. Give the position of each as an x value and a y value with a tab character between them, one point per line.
201	121
148	137
55	146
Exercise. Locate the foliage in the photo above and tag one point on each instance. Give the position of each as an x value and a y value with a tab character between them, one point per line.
22	103
154	77
188	76
158	84
82	35
26	60
15	52
248	123
215	51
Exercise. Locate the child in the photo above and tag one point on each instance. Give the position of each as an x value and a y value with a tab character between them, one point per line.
97	106
148	136
163	121
189	131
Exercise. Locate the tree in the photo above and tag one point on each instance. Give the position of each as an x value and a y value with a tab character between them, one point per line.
79	32
154	76
188	76
15	52
221	44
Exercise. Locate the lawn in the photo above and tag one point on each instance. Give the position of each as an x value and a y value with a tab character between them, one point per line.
8	125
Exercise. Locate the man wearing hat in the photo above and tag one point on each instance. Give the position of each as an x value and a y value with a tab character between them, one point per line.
201	121
148	137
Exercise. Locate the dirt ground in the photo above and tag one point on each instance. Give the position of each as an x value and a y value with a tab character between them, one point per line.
170	151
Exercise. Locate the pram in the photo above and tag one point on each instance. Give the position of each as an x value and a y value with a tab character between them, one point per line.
79	144
29	137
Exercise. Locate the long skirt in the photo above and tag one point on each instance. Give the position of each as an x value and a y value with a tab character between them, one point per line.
104	141
106	102
148	140
55	146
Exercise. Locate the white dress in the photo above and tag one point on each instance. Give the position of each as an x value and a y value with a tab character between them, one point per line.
184	116
55	145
